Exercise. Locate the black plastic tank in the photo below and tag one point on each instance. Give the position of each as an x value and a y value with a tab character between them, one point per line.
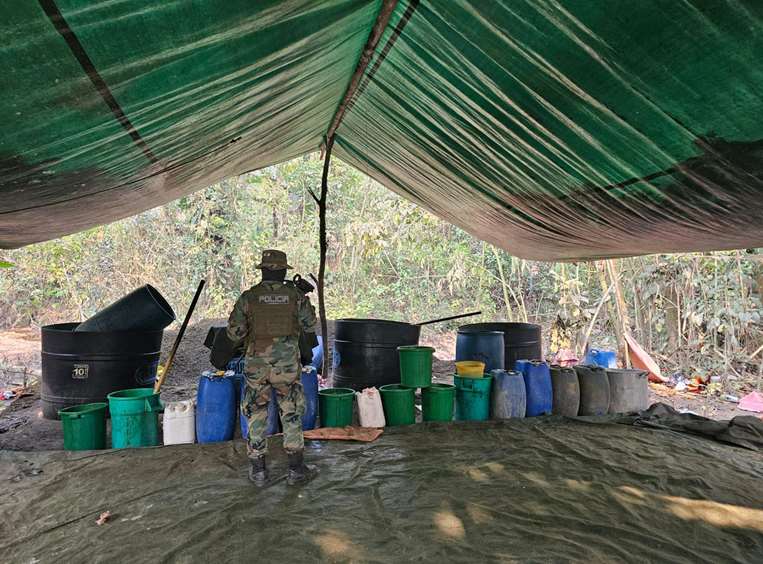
83	367
594	389
520	340
628	390
365	351
144	309
566	391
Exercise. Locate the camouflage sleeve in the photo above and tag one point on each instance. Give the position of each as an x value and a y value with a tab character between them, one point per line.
238	322
306	313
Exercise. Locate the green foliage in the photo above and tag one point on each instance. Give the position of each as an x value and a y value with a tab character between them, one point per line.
388	259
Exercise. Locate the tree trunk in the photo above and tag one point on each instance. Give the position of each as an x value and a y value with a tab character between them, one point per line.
324	250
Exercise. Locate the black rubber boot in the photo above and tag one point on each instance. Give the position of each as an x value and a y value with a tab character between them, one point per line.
299	472
258	471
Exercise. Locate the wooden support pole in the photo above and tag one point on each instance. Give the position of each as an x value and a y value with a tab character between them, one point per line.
382	19
622	309
323	241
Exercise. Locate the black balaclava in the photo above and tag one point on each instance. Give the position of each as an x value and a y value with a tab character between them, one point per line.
273	275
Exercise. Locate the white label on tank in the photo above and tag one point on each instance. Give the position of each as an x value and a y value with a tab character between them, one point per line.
79	372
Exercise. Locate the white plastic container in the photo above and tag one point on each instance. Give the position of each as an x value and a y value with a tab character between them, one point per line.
370	410
180	422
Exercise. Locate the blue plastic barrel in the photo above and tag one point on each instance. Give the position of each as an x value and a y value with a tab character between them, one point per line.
237	366
215	409
596	357
317	361
483	346
508	398
310	387
538	389
274	420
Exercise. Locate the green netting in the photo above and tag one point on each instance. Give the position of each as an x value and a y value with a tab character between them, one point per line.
572	129
556	130
211	88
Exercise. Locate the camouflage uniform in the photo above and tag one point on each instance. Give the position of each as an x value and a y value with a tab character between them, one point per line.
272	364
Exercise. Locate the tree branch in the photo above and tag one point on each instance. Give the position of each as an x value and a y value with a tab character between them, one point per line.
324	250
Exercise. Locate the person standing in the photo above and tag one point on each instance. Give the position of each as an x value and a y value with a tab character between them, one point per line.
268	319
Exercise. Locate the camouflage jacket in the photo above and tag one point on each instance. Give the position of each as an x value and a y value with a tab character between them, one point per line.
241	324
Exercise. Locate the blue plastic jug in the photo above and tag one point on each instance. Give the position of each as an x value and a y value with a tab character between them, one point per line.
521	365
317	361
215	409
538	389
508	398
310	387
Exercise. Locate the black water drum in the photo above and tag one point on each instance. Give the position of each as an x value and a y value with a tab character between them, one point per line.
365	351
520	340
566	391
594	389
83	367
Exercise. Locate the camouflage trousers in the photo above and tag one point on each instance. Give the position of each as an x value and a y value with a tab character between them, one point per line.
263	379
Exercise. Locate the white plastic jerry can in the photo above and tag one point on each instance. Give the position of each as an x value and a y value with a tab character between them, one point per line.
370	410
180	422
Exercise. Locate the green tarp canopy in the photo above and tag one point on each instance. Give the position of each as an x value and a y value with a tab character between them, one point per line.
555	129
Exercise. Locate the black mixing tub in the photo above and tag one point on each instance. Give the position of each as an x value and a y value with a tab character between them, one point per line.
83	367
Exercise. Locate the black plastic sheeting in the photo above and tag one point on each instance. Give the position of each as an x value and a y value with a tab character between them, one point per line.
545	489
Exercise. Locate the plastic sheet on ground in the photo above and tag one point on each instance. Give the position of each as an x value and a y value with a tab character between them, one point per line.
549	489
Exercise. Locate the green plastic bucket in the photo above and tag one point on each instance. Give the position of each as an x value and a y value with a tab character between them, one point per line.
415	366
134	419
335	406
398	403
437	402
473	398
84	426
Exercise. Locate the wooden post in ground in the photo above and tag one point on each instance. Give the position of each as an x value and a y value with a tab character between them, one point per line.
323	242
622	309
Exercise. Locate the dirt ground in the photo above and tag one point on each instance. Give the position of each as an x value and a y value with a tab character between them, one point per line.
22	426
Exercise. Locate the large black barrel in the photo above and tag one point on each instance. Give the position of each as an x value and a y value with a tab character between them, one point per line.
594	389
365	351
144	309
566	391
520	340
82	367
628	390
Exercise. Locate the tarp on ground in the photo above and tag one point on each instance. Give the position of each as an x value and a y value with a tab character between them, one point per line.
540	490
555	129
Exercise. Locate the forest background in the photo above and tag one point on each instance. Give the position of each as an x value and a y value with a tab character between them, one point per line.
388	258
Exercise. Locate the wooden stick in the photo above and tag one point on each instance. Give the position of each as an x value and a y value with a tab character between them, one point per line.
622	311
163	376
459	316
382	19
603	299
324	251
